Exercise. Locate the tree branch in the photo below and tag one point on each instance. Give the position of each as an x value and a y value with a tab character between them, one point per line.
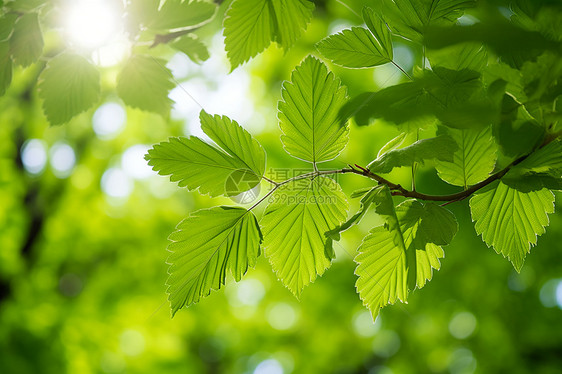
398	190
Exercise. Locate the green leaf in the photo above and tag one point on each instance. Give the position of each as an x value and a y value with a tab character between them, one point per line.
235	141
68	86
369	197
181	14
474	159
237	167
441	147
251	25
207	245
144	83
471	56
510	220
308	113
294	224
381	270
248	29
192	47
442	93
518	133
25	6
512	44
393	144
358	47
542	169
353	48
26	40
410	18
7	22
400	255
5	67
291	16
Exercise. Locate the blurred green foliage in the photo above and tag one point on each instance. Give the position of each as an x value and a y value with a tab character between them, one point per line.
82	246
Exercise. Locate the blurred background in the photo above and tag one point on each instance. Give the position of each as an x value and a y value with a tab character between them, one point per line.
84	222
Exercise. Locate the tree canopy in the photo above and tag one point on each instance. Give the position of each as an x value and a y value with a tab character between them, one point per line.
274	175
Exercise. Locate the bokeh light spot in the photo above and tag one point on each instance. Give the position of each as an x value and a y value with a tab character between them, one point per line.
62	159
269	366
34	156
386	343
133	162
132	342
462	325
281	316
109	119
115	183
551	293
363	324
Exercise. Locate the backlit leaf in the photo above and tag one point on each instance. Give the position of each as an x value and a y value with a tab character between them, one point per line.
359	47
474	159
402	254
5	67
510	220
180	14
542	169
440	147
294	224
234	168
205	247
292	16
192	47
26	40
308	113
251	25
68	86
144	83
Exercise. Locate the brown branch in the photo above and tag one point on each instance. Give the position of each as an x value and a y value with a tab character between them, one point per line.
398	190
166	38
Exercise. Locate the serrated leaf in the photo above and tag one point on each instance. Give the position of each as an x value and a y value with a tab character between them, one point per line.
474	159
192	47
441	147
5	67
369	197
237	167
308	113
144	83
542	169
205	247
181	14
26	40
410	18
510	220
292	16
248	29
353	48
381	271
294	224
251	25
402	254
69	85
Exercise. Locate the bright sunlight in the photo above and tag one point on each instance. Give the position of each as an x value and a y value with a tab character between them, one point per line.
96	26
